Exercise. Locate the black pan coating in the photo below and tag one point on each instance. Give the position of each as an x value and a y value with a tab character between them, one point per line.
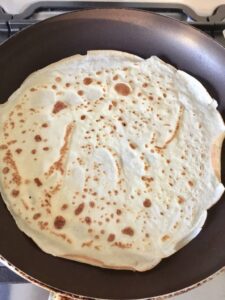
143	34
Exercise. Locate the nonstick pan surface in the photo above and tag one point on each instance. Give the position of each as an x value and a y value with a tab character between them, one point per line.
143	34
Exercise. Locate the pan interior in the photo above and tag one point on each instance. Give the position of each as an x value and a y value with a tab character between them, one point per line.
143	34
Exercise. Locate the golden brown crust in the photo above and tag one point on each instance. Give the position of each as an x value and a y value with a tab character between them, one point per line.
99	263
216	155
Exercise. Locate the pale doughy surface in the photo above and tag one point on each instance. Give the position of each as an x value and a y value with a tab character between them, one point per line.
110	159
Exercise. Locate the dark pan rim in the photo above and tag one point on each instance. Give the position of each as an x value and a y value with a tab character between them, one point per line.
48	287
194	29
67	294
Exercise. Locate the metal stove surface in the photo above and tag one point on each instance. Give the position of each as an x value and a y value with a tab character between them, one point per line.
13	287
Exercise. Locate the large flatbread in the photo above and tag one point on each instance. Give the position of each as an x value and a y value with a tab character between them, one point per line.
110	159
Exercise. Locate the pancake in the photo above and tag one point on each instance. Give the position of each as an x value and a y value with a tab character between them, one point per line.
110	159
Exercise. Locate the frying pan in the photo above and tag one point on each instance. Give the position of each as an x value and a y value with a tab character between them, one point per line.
143	34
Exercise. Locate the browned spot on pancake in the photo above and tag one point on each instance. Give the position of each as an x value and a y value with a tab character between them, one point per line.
122	89
116	77
43	225
59	105
64	206
59	164
18	150
83	117
25	204
180	199
3	147
150	98
61	235
33	89
190	183
37	181
87	80
59	222
128	231
44	125
15	193
68	84
58	79
133	146
92	204
147	179
111	237
168	161
79	209
87	220
87	244
118	212
144	85
122	245
175	131
165	238
33	151
54	87
38	138
80	93
5	170
36	216
8	159
46	148
147	203
12	142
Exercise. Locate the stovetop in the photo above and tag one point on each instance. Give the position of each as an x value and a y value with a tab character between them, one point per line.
213	25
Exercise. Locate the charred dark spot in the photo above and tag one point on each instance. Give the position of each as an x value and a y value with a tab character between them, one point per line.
15	193
111	237
38	138
87	80
128	231
64	206
122	89
59	222
83	117
88	220
44	125
118	212
18	150
37	181
79	209
147	203
80	93
180	199
59	105
92	204
5	170
36	216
